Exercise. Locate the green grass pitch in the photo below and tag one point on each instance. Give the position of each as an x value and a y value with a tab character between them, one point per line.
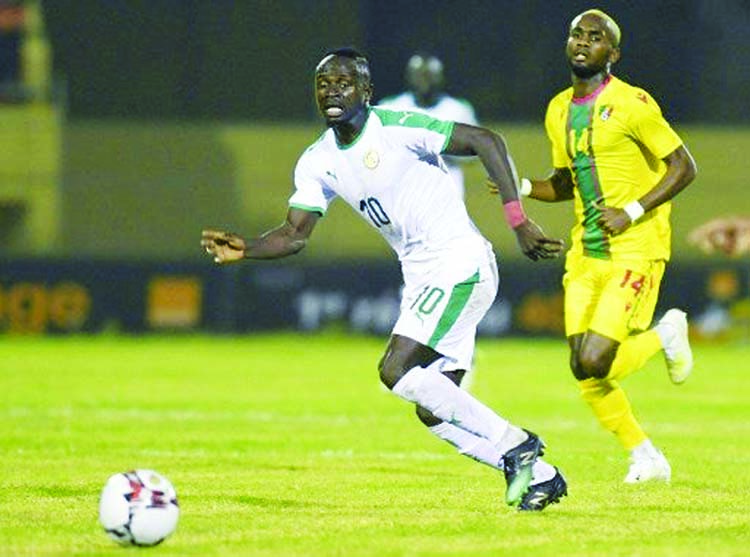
286	445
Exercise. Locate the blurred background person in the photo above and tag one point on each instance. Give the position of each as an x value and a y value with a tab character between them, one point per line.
729	235
425	82
11	33
25	57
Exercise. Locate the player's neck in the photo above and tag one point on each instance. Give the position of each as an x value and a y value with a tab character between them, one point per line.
590	86
348	132
427	101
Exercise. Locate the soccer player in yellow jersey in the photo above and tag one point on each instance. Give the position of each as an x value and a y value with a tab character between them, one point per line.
621	163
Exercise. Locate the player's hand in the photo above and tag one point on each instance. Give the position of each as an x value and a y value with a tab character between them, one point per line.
534	244
224	247
612	220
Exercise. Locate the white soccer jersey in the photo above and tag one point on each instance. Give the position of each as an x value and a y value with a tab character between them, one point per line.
446	108
394	176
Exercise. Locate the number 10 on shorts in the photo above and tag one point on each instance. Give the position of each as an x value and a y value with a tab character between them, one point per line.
428	299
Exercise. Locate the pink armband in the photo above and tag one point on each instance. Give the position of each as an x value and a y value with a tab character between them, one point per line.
514	213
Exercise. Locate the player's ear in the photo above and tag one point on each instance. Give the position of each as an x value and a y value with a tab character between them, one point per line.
614	55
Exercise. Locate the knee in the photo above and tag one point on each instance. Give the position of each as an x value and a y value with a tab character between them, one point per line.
427	417
590	364
579	371
390	372
576	369
594	366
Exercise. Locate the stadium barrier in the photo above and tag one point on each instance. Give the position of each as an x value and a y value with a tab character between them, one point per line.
69	297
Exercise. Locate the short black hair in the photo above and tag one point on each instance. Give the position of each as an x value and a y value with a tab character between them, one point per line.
361	62
347	52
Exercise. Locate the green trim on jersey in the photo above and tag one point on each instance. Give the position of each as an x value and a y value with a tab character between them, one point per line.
580	129
409	119
456	303
308	208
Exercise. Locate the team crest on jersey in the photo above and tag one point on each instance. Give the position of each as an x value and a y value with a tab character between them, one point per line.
642	97
605	112
372	159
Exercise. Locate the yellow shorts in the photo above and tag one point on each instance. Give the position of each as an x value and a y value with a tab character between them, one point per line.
611	298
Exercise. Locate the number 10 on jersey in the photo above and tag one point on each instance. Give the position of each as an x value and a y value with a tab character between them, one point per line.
375	211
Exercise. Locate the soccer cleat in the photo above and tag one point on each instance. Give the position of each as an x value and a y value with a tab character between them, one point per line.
647	468
677	352
543	494
517	465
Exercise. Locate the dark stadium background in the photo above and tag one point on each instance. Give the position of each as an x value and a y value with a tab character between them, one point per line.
144	121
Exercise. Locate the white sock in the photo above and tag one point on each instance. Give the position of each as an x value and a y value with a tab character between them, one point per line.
469	444
666	332
645	450
434	391
485	452
542	471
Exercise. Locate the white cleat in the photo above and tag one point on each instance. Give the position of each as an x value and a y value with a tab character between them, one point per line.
647	468
677	352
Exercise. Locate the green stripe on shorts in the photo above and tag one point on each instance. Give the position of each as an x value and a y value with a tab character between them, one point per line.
456	303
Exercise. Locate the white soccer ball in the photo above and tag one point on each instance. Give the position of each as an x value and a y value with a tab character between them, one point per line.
138	508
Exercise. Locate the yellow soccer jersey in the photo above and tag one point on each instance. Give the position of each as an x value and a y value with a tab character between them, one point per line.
613	141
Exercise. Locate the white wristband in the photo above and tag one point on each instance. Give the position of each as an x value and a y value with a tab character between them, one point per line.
634	210
525	187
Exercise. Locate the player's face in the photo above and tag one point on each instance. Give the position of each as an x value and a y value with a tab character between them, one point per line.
589	49
423	81
340	90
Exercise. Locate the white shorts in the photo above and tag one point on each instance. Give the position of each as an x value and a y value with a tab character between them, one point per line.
442	305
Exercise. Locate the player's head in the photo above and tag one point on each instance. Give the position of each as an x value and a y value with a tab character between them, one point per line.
424	78
343	87
593	43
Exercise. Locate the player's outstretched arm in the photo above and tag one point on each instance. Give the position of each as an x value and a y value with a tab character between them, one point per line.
491	149
287	239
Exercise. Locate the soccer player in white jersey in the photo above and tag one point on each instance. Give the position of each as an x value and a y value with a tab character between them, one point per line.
426	81
388	166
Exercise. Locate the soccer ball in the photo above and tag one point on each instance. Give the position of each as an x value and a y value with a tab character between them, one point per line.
138	507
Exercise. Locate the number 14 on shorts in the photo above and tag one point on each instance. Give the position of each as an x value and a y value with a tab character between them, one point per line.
634	280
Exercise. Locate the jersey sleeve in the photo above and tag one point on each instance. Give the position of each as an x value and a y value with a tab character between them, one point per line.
431	135
440	136
311	191
466	113
649	127
418	130
555	125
